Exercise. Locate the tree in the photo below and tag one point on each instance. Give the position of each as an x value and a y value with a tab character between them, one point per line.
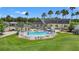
43	15
27	19
1	27
19	19
72	15
57	13
8	19
71	8
20	25
77	13
27	16
71	27
64	13
50	13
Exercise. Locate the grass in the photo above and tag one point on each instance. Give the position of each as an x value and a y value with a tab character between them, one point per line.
62	42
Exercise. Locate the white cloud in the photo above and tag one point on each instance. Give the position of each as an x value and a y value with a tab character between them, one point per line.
17	12
21	12
3	15
12	15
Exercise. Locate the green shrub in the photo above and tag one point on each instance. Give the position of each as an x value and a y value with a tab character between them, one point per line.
71	27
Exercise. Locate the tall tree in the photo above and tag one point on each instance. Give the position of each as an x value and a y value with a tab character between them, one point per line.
44	15
27	16
64	13
57	13
72	15
27	19
77	14
1	27
72	8
43	18
50	13
8	19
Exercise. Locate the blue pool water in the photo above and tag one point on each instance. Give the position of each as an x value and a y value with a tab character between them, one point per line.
37	33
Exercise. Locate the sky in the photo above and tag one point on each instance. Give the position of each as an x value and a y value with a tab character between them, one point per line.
33	11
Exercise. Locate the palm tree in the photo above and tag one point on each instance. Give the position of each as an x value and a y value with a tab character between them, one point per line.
72	15
71	8
43	18
44	15
77	13
64	13
27	19
50	13
27	16
57	13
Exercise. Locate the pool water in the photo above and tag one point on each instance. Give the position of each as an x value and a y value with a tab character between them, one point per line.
37	33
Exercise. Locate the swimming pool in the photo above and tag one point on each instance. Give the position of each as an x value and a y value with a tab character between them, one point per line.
36	33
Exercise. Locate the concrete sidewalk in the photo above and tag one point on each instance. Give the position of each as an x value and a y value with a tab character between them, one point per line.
8	33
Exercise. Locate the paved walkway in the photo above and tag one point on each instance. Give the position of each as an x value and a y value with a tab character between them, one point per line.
8	33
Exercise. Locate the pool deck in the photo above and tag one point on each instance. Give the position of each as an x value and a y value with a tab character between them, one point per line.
38	37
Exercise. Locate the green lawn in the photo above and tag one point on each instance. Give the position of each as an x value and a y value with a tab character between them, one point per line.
62	42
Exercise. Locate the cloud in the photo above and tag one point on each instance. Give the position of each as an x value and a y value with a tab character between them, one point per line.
17	12
12	15
3	15
21	12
